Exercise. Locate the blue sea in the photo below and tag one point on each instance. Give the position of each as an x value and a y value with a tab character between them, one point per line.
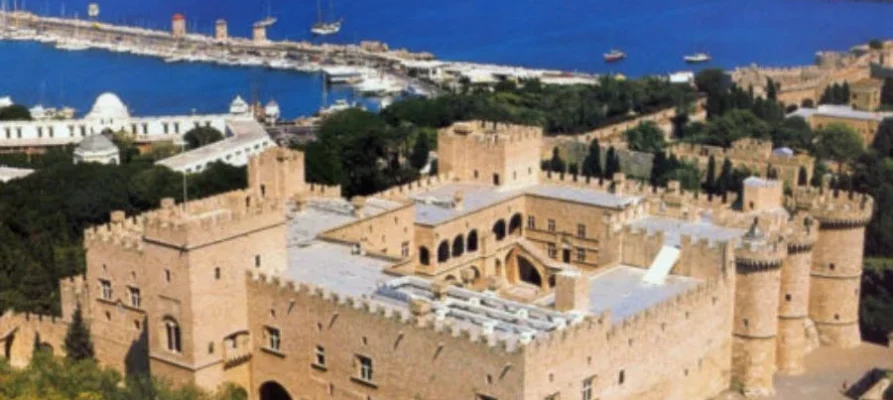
560	34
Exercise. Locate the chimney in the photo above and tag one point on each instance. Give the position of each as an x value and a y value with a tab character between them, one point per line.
358	202
458	199
571	291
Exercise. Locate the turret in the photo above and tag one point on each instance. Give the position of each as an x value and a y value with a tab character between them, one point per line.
836	262
793	297
758	262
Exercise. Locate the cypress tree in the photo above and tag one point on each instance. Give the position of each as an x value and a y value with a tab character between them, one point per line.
726	178
801	177
612	163
710	183
844	93
592	164
658	167
557	164
771	90
420	150
78	345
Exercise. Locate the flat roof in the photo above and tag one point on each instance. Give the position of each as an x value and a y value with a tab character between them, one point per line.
674	228
244	133
622	290
840	111
9	173
435	206
322	214
336	267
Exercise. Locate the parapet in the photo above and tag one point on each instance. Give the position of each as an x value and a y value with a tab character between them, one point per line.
403	192
833	208
801	233
120	231
758	254
212	218
493	132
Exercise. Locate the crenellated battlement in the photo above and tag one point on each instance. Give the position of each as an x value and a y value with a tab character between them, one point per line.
833	208
493	134
120	231
291	291
801	233
403	192
324	191
211	219
757	254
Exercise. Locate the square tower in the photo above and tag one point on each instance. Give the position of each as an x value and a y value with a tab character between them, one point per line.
221	32
277	172
178	26
489	152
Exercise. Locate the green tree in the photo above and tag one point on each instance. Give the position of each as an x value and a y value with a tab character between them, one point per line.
592	164
734	125
793	132
839	142
78	344
645	137
883	140
725	182
658	168
710	178
771	90
556	164
887	92
419	157
15	112
201	136
875	44
612	163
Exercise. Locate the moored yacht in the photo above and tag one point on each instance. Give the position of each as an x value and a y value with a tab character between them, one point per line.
697	58
614	55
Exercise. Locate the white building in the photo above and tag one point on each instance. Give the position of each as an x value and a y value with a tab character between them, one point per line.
110	114
9	173
97	149
6	101
244	138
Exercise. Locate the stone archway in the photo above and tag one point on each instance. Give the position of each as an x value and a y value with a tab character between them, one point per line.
527	272
272	390
522	269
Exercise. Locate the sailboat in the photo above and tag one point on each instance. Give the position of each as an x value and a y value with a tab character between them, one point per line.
323	28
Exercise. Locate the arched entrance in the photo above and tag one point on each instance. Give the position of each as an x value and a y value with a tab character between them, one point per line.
527	272
515	224
272	390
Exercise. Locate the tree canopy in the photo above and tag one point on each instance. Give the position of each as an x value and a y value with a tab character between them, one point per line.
201	136
78	344
15	112
646	137
838	142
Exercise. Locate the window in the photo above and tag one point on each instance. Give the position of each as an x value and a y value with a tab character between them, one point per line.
167	275
551	225
404	249
105	289
172	330
587	389
320	356
581	254
365	368
581	230
135	297
257	261
273	338
531	222
217	273
622	377
552	251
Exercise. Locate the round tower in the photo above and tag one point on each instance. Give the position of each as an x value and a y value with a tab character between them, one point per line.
758	263
837	267
793	296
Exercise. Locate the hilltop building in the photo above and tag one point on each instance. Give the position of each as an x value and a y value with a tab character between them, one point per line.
755	155
866	123
491	281
865	94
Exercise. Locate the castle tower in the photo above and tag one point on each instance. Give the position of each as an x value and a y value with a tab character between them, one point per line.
277	172
259	33
178	25
836	262
793	297
490	153
755	324
221	32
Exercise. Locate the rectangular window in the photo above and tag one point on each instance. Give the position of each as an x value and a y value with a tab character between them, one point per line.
581	230
531	222
581	254
552	251
551	225
257	261
105	289
273	338
365	368
167	275
587	389
135	297
217	273
404	249
320	356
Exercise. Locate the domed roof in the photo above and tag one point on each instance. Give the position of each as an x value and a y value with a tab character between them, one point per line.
108	106
95	144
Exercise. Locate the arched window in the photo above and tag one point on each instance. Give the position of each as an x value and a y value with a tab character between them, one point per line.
172	334
443	251
499	229
424	256
458	246
515	224
472	241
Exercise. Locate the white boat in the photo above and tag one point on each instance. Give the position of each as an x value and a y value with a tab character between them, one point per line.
73	45
280	63
339	105
372	85
324	28
343	74
697	58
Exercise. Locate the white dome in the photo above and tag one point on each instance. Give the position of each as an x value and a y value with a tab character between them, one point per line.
108	106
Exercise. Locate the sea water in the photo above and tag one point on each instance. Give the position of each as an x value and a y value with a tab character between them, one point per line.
561	34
